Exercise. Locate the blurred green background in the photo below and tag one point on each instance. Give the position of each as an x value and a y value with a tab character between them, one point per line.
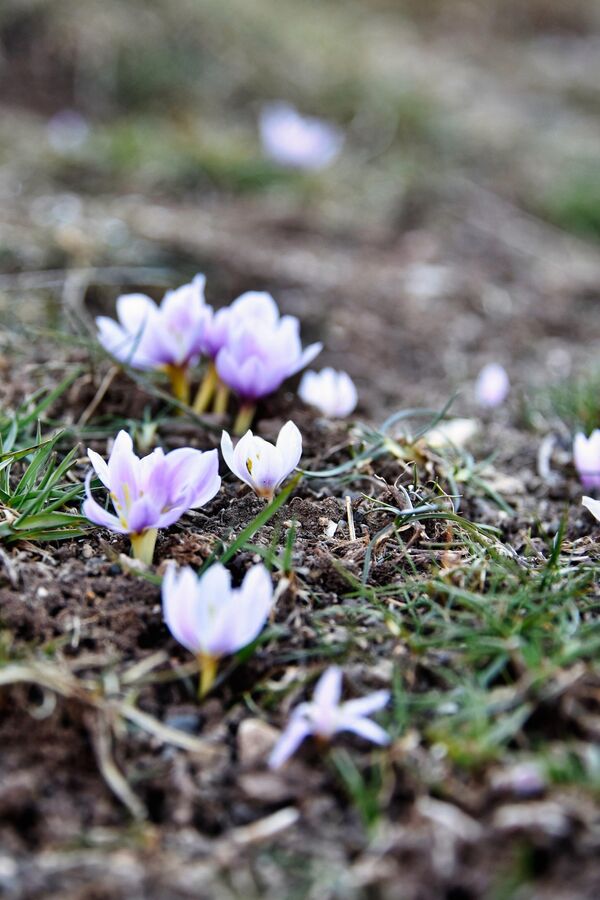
429	92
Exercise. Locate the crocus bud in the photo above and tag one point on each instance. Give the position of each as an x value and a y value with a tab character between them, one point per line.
492	385
332	393
586	457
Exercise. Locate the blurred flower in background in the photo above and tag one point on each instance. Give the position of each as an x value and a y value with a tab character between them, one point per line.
301	142
492	386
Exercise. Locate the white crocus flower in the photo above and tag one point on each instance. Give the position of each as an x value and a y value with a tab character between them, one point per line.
262	465
332	393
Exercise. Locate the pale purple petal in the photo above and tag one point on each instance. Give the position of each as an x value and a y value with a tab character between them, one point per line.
365	728
364	706
297	730
195	474
306	357
142	514
329	688
180	601
253	603
122	470
97	514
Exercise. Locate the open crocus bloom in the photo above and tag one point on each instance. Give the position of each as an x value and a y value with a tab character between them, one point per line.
298	141
492	385
210	618
586	457
325	715
332	393
168	336
152	492
262	465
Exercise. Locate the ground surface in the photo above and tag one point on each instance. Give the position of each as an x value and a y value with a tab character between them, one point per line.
459	227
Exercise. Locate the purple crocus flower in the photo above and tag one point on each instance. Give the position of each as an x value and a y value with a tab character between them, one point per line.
301	142
152	492
169	336
258	356
210	618
586	457
254	312
325	716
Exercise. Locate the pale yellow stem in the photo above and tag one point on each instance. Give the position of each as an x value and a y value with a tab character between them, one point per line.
142	545
221	399
244	418
208	672
180	384
206	390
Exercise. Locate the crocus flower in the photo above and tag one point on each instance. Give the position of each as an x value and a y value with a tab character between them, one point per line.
210	618
492	385
168	336
257	359
254	309
298	141
586	456
324	716
152	492
261	465
332	393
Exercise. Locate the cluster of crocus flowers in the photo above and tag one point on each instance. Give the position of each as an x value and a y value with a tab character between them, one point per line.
212	619
150	493
586	457
250	348
325	715
261	465
332	393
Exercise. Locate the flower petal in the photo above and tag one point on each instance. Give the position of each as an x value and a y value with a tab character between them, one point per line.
297	730
329	688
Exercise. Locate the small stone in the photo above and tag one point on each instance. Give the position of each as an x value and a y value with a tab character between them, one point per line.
86	551
255	740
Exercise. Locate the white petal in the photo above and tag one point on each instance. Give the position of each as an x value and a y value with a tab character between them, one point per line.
289	446
329	688
297	729
593	506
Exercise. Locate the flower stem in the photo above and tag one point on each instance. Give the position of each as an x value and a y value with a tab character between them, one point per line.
221	398
244	418
207	389
180	385
208	672
142	545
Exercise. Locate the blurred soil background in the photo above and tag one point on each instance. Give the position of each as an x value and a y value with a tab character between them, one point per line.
460	225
